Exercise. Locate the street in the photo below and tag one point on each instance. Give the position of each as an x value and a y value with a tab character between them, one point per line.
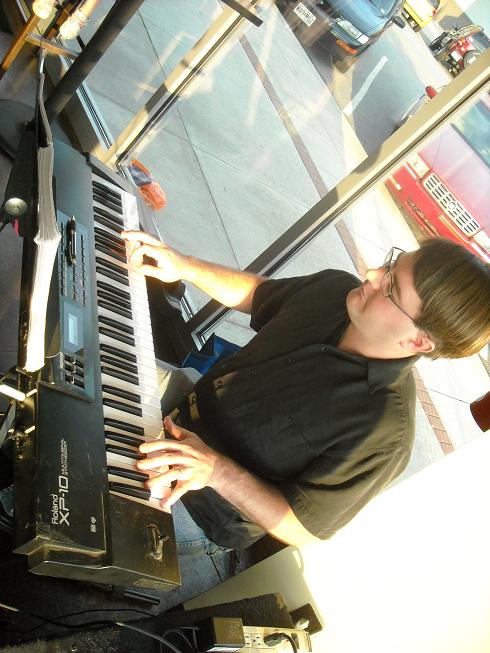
383	82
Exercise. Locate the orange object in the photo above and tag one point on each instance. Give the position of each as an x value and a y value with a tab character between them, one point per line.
151	191
154	195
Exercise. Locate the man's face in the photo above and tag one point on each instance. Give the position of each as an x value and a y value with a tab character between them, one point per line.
384	327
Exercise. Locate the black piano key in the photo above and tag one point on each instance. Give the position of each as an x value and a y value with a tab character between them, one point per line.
110	240
119	269
107	193
117	336
115	351
119	405
112	275
115	221
107	201
129	378
110	371
119	364
107	250
122	451
100	219
110	306
133	474
109	321
124	426
105	189
123	439
103	294
119	392
130	490
110	237
116	291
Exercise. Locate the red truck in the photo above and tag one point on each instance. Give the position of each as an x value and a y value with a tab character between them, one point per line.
445	187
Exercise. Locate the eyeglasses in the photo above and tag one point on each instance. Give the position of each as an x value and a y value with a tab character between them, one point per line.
387	280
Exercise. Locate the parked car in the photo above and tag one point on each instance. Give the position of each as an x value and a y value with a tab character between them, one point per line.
444	188
347	26
419	13
460	47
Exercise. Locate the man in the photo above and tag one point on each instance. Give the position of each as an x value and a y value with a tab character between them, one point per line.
301	428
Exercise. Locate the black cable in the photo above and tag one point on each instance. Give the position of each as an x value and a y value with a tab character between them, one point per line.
105	622
177	631
56	621
275	638
291	641
74	614
162	640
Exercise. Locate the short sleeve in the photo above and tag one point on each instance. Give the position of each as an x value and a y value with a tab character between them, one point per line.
271	295
333	490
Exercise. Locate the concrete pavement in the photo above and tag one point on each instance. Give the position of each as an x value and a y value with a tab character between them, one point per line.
251	146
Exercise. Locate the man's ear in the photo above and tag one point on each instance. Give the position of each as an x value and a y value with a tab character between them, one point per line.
422	343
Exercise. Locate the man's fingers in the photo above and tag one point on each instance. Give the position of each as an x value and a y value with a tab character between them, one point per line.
179	490
172	474
138	253
149	271
156	461
161	493
140	237
176	431
165	445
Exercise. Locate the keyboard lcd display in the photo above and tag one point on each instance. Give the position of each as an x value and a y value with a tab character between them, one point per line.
73	329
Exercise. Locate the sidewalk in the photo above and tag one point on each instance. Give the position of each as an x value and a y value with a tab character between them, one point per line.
263	139
252	145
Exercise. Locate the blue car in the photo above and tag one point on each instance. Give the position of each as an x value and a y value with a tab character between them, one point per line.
348	26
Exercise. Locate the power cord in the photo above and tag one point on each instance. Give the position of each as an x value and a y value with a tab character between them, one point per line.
276	638
178	631
57	620
162	640
108	622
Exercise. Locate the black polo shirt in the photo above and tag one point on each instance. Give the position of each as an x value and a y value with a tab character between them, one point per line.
327	428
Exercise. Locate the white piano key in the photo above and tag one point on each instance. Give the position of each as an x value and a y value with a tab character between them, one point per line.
146	397
154	503
142	353
124	431
152	425
111	436
119	461
147	409
118	362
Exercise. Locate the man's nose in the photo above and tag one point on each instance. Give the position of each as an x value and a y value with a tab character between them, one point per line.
374	276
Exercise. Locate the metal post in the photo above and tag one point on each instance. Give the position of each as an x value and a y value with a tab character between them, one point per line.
192	63
17	45
111	27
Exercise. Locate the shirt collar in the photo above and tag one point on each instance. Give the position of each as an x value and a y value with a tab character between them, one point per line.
382	373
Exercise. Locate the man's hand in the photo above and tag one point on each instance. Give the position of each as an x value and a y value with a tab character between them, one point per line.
169	263
232	288
194	465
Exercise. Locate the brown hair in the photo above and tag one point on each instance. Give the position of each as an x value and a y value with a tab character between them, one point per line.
454	286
